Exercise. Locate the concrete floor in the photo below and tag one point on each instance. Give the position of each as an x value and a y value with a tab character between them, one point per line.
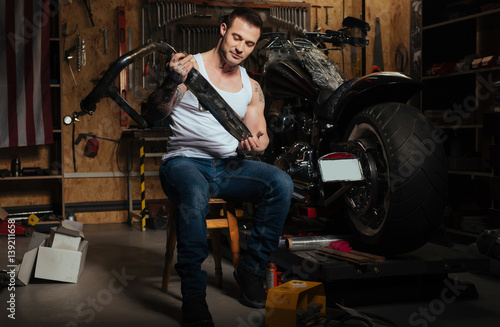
119	255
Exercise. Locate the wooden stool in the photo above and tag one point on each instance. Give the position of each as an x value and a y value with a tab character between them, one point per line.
214	225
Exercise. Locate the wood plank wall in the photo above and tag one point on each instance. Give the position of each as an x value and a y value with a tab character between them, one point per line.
394	17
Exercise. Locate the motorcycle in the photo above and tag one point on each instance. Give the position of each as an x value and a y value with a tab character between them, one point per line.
349	144
354	144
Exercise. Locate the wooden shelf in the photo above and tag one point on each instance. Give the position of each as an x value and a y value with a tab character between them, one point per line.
459	126
470	173
466	94
461	19
468	72
460	232
42	190
25	178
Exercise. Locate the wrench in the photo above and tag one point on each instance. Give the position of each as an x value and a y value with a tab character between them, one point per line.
184	45
296	26
304	19
158	16
299	20
195	38
164	19
84	53
172	33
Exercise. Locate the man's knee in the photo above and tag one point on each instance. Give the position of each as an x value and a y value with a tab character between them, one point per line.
283	182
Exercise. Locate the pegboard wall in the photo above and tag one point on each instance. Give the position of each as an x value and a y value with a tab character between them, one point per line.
194	27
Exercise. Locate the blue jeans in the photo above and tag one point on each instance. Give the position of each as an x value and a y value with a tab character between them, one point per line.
191	182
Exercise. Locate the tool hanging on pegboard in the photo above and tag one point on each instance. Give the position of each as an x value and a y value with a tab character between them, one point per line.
104	32
326	14
89	11
68	53
316	27
122	49
291	18
157	24
378	54
78	52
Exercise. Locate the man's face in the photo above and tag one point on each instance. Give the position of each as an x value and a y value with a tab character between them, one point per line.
238	41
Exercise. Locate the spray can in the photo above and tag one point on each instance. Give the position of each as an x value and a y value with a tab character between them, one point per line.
15	167
271	276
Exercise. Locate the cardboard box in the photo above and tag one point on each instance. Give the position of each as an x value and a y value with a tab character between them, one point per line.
60	264
63	262
3	214
68	236
24	271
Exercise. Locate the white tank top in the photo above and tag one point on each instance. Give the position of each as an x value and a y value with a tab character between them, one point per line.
195	131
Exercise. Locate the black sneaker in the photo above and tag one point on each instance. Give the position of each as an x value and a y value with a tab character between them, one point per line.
195	313
252	287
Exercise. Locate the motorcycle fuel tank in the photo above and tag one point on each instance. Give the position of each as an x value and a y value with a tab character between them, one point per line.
285	79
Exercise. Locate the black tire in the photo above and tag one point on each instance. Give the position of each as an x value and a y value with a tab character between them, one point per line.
401	204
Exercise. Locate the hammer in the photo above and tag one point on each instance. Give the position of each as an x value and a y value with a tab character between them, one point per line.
326	10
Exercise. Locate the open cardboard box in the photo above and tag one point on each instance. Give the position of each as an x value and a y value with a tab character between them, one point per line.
3	213
25	270
60	264
68	236
44	261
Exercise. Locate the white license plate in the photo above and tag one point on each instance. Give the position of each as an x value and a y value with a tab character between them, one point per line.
340	170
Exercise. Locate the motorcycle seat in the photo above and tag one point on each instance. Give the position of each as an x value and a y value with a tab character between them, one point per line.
329	99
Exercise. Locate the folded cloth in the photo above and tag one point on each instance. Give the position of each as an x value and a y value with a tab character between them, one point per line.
340	246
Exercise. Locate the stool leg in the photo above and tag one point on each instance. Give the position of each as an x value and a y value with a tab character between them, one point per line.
169	254
216	244
234	234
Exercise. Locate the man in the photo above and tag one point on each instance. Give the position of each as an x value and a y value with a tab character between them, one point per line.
201	162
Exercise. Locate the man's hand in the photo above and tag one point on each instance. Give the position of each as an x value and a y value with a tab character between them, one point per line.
179	66
253	143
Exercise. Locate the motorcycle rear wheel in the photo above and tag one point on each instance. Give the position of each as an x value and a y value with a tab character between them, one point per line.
401	203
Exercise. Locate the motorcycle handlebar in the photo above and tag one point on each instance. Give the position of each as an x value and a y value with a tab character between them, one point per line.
104	87
358	41
336	38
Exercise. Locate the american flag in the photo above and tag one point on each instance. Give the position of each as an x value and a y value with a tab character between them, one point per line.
25	110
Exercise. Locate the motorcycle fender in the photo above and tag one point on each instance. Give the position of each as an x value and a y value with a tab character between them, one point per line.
340	167
355	95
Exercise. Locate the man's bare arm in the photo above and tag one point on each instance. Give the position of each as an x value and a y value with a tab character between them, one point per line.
256	122
172	90
161	101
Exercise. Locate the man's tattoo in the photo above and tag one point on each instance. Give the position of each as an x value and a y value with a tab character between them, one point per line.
259	92
179	94
223	64
161	102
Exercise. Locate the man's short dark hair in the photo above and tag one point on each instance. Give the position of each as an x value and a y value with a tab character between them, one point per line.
247	14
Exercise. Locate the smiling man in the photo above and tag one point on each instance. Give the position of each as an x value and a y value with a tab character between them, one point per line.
202	162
